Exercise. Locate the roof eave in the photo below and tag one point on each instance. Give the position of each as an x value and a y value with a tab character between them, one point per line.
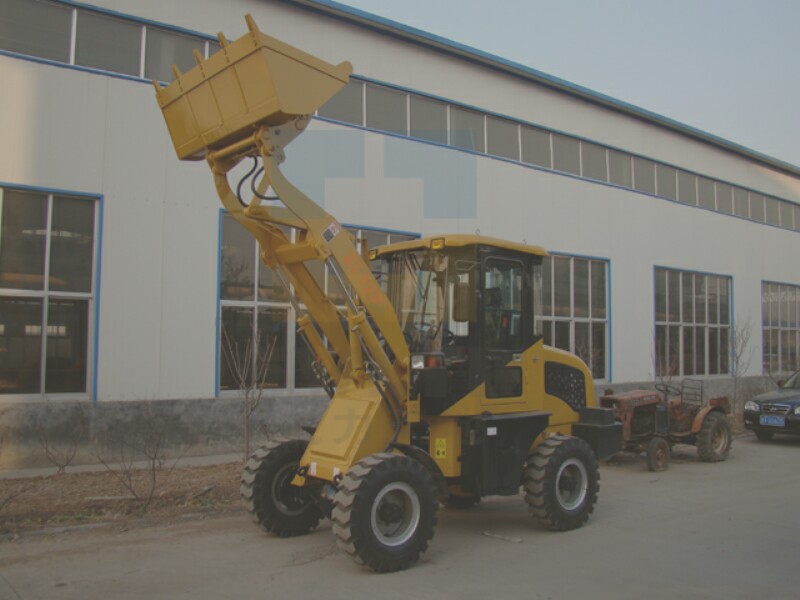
429	40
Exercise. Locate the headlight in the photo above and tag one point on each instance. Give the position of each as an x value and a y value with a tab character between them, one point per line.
417	361
797	410
752	406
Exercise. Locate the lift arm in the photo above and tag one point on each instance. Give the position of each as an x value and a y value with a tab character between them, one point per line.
251	99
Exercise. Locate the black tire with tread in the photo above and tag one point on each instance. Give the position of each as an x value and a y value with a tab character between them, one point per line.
353	508
657	454
715	438
541	482
279	509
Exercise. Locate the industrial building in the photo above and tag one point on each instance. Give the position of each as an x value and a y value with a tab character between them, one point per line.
123	280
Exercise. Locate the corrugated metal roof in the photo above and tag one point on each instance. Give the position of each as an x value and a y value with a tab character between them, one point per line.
429	40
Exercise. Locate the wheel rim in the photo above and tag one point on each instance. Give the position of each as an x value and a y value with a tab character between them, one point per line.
289	499
572	484
660	456
719	439
395	514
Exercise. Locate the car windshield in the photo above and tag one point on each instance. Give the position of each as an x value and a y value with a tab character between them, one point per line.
793	383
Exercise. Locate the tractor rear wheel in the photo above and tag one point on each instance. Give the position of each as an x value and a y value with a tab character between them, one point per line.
657	454
266	488
715	438
561	482
384	512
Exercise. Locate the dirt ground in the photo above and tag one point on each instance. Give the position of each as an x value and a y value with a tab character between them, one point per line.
695	531
119	496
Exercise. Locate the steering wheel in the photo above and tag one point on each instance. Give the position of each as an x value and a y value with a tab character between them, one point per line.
448	337
669	390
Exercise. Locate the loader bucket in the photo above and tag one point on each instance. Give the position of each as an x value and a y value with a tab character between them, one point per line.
255	80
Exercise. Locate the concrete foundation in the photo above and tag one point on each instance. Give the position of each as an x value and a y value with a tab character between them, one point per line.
58	433
52	433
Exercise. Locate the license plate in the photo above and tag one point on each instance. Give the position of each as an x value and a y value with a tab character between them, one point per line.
773	420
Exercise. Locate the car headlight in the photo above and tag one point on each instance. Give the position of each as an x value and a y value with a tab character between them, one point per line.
797	410
752	406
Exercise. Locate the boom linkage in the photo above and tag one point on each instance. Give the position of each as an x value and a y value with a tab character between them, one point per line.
361	354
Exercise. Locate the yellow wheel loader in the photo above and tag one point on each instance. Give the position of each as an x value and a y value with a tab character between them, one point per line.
441	388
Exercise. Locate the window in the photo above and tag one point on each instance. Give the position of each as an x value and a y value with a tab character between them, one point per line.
47	265
574	312
620	169
502	316
536	147
566	154
593	161
772	211
724	197
36	28
757	207
428	119
666	178
780	305
466	129
502	138
706	194
687	187
256	313
741	203
108	43
787	215
347	105
165	48
644	175
693	321
386	109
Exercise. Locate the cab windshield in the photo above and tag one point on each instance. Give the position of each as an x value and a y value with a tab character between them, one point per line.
429	292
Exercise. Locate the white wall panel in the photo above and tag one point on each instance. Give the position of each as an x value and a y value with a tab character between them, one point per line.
73	130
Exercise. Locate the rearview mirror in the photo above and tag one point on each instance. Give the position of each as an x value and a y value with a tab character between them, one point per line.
461	302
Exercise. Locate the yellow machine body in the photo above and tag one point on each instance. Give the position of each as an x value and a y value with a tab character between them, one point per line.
250	99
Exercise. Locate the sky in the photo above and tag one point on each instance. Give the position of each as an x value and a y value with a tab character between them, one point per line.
727	67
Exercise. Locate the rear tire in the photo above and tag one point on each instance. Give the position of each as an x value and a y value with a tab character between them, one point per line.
561	482
658	454
281	508
385	512
715	438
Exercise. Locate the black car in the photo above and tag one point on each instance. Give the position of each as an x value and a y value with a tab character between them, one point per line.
775	412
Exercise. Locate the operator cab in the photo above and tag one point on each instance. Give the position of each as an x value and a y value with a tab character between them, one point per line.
467	307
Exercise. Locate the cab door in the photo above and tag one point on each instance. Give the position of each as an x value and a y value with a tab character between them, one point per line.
504	295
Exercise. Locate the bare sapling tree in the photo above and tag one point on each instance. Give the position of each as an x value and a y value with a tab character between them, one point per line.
249	366
741	357
137	456
667	364
60	448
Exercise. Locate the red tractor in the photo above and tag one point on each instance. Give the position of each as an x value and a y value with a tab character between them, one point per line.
654	421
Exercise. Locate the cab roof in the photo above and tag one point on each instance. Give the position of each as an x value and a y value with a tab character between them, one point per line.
459	241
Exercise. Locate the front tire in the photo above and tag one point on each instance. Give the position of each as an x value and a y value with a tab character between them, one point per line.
385	512
715	438
561	482
280	508
657	454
